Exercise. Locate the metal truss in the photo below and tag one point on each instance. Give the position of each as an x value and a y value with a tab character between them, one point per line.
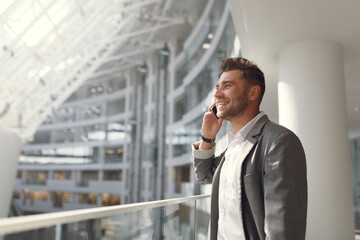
48	48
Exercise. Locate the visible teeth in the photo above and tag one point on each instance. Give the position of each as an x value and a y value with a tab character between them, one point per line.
221	103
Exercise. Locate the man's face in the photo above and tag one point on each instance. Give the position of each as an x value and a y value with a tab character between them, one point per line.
231	95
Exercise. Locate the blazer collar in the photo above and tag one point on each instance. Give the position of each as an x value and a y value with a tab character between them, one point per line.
257	129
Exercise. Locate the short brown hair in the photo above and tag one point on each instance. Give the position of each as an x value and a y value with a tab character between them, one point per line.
251	73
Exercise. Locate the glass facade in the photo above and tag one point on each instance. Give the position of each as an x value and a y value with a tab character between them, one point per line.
126	137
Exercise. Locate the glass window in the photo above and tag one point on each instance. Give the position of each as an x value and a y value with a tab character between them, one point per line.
182	173
114	154
143	179
109	200
18	174
179	149
68	155
93	133
88	198
127	178
58	198
116	84
113	175
36	177
86	177
180	75
179	108
199	89
117	131
154	91
36	195
64	135
116	107
202	43
184	137
89	175
62	175
166	177
150	185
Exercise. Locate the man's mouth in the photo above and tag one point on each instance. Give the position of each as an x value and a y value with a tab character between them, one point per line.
220	105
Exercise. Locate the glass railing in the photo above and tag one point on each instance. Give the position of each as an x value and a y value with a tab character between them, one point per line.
180	218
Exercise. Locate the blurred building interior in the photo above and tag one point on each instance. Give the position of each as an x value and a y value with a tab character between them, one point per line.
107	97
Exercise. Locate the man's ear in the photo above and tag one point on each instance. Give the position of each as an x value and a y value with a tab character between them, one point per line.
254	92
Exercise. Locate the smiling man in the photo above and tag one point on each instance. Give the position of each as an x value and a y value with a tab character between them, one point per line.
259	185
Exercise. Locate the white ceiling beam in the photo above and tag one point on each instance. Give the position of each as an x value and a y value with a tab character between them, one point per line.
143	31
132	53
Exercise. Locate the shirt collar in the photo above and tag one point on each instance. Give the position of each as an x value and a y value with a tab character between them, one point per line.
244	132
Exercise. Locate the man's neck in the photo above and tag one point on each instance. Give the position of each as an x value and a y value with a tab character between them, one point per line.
240	121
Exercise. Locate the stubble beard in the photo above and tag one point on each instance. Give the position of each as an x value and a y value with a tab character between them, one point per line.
238	109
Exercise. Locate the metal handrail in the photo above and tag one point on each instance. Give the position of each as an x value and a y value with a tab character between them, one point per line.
25	223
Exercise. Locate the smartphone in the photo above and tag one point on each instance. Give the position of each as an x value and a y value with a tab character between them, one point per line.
214	110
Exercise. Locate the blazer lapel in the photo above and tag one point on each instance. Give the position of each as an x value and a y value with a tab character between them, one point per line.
252	138
256	130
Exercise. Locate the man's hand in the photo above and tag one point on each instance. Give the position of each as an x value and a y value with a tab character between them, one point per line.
210	127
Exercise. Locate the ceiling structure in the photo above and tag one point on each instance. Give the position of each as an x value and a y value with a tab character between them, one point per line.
267	27
48	48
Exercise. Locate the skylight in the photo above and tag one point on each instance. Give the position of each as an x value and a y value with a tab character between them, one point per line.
48	48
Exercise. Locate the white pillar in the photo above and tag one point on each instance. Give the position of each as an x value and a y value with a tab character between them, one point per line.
10	145
312	103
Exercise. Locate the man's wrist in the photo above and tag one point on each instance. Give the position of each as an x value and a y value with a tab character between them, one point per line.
208	140
205	145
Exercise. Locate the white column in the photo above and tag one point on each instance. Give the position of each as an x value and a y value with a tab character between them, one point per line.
10	145
312	103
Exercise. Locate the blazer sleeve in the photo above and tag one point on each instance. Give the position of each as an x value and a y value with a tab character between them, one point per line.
205	163
285	189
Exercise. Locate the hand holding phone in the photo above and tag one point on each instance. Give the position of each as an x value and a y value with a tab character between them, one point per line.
210	127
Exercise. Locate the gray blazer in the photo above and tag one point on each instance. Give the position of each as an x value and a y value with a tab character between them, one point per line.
273	181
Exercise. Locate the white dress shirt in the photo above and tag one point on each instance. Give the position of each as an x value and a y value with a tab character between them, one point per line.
230	217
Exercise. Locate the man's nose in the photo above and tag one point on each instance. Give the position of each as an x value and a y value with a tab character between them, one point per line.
217	93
